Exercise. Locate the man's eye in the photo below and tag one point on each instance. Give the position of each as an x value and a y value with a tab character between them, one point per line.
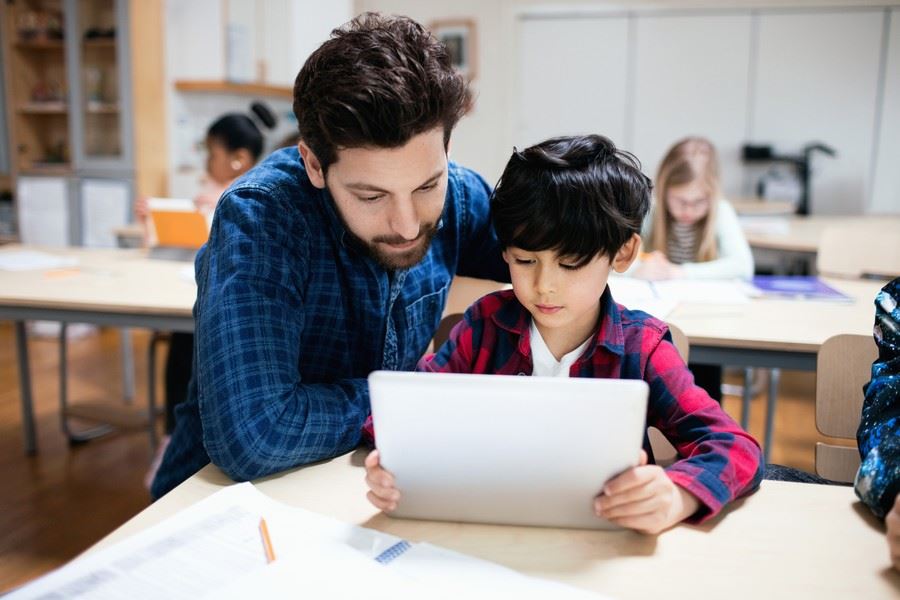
427	188
371	198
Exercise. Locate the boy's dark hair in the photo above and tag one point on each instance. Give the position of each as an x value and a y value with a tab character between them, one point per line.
236	131
579	196
378	81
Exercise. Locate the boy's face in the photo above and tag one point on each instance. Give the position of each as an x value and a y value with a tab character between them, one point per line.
564	301
390	199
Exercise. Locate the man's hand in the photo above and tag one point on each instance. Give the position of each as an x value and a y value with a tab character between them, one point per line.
893	532
645	499
382	491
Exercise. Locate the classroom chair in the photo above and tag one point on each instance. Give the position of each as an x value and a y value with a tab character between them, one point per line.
843	366
854	251
664	453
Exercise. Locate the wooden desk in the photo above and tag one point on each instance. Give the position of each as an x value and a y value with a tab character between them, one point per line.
797	233
121	288
788	540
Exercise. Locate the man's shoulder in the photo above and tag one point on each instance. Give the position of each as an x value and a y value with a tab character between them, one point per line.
466	180
280	173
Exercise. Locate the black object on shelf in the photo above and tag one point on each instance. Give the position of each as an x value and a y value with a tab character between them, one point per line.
763	153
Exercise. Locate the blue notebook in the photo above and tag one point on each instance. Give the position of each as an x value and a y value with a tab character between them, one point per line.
798	288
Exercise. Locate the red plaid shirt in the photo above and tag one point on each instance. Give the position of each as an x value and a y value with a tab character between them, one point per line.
721	461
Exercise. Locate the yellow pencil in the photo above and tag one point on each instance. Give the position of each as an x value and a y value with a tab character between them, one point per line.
266	540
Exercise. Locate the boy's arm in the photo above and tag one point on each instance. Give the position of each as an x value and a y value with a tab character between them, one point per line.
455	355
878	479
258	414
722	460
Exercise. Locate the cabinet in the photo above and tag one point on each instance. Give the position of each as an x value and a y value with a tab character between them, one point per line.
69	72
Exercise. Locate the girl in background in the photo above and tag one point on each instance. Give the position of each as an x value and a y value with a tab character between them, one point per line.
692	232
234	143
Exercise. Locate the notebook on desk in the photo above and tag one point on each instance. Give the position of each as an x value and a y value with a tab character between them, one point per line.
505	449
180	228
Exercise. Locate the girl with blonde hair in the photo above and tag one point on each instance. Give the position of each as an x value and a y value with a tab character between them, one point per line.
692	232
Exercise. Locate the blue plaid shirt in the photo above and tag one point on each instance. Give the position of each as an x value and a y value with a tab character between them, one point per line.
291	316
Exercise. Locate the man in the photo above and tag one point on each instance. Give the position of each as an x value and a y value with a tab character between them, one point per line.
331	260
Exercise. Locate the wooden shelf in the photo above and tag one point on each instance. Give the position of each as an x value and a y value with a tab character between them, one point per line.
44	108
62	170
100	43
226	87
102	109
40	44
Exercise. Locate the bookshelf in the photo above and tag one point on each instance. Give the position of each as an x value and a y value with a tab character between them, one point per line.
69	74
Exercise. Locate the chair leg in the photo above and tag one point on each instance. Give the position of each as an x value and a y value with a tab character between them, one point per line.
79	436
155	339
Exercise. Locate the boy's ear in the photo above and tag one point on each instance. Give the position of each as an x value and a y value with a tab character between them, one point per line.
626	254
506	255
313	166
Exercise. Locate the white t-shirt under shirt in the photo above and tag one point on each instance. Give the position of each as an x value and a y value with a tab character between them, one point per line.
545	364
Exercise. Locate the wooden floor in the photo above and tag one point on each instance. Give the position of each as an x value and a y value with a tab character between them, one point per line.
58	503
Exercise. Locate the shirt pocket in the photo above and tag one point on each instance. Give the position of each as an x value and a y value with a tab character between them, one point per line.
422	319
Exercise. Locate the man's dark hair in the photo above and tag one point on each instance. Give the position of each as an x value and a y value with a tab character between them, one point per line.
377	82
579	196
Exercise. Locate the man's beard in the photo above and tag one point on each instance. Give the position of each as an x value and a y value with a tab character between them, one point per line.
393	261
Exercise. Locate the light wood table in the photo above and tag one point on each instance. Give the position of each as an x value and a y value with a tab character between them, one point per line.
788	540
801	234
122	288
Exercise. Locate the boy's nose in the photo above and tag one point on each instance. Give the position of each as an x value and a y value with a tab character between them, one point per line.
545	283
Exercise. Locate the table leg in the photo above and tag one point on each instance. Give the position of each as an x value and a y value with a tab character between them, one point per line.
28	430
774	376
746	397
127	365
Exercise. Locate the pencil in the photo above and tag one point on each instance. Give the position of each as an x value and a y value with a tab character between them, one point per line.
266	540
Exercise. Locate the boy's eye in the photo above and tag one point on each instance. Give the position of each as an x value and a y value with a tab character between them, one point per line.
524	261
568	267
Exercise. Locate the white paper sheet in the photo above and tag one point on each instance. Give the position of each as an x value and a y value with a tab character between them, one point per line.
31	260
214	549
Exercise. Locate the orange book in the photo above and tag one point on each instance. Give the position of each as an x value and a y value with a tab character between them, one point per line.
178	223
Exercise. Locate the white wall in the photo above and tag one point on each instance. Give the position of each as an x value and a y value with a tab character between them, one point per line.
728	34
281	33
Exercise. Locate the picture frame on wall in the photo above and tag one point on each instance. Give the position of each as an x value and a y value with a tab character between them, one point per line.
458	35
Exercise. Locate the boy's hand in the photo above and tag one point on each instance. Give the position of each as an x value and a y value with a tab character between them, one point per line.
382	491
645	499
893	532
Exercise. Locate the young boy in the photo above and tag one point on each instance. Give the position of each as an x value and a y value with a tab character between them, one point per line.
567	212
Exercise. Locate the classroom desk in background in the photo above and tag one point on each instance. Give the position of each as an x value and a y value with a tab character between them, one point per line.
120	288
801	234
788	540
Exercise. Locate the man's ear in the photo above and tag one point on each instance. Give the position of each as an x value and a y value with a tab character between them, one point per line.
626	254
313	166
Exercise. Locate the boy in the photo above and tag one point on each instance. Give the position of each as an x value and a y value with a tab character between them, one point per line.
567	212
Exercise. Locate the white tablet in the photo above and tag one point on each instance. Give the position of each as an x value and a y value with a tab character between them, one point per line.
505	449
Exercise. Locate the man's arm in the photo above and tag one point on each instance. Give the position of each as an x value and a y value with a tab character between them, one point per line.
878	479
258	415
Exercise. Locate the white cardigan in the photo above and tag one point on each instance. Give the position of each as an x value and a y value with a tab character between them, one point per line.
735	260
